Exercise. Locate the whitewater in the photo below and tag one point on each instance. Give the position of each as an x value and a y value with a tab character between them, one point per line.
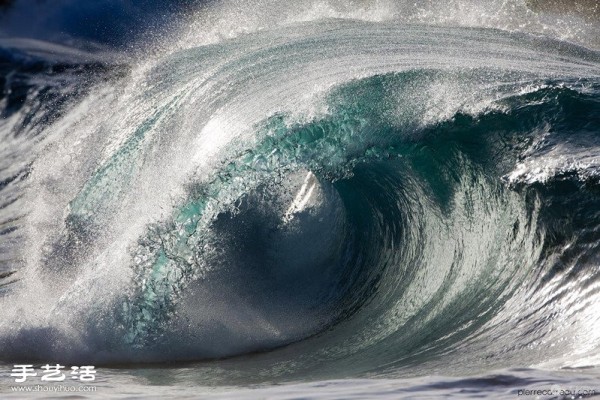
319	200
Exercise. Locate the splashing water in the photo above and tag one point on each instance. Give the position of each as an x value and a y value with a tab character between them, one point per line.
307	192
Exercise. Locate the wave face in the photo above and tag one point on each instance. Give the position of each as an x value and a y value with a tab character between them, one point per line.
340	197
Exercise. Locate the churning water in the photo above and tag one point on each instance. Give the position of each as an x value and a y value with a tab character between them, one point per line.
323	200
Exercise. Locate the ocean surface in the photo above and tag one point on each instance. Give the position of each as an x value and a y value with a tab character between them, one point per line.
318	200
